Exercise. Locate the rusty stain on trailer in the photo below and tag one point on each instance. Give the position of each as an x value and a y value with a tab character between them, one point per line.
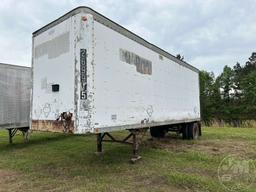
51	125
142	65
76	95
82	97
66	119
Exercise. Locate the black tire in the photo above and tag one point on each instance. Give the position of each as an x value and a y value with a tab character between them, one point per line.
157	132
190	131
200	130
185	131
193	131
196	131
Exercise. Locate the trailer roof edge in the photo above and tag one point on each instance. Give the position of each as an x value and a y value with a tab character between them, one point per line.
118	28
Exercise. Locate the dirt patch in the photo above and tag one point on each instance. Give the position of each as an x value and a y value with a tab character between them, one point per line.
151	180
155	183
9	180
238	148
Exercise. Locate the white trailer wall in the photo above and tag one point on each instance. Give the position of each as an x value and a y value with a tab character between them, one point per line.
129	82
57	61
53	64
124	96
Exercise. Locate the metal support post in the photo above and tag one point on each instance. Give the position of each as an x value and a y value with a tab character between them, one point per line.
10	136
99	143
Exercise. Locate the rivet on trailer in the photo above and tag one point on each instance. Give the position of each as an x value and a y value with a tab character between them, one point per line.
91	75
15	90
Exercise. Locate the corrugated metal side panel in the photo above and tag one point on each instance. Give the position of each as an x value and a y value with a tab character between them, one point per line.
136	86
15	86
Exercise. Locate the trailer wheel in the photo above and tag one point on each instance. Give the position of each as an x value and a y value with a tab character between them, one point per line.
157	132
196	131
193	131
185	131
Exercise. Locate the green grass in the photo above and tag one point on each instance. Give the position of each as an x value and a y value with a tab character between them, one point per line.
58	162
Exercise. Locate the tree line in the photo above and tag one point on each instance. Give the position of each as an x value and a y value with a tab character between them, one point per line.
231	96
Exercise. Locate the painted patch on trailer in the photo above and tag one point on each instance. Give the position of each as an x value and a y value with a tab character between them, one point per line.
44	83
142	65
53	48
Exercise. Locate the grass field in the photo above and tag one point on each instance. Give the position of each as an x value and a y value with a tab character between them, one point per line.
57	162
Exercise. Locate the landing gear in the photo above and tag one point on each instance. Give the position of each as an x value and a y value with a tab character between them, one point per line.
135	145
188	130
132	139
12	132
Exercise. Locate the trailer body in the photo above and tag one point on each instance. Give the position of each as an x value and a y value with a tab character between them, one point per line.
15	90
91	75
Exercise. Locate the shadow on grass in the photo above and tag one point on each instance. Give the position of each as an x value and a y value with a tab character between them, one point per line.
113	153
39	139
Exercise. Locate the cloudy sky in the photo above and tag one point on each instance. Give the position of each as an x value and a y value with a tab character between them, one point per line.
209	33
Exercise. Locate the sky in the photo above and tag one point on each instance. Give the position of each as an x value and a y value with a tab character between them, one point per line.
208	33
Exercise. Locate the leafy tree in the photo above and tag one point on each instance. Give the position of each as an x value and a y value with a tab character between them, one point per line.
209	96
226	80
237	81
251	64
248	86
247	76
232	95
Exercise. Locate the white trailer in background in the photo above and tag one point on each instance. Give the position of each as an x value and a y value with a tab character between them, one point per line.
15	90
91	75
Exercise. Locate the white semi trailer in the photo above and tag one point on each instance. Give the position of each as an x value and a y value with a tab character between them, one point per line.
91	75
15	90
